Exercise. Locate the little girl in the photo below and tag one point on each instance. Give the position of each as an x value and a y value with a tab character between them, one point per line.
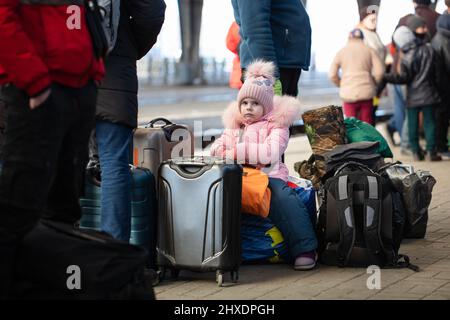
257	133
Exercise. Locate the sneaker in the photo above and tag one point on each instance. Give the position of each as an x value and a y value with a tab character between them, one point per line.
433	156
417	156
306	261
445	155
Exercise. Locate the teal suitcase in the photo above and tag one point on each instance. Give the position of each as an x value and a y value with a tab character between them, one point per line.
143	210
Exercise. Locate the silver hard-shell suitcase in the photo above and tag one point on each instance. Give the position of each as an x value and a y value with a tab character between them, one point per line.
199	216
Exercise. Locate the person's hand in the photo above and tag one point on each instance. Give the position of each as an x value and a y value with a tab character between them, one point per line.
277	88
40	99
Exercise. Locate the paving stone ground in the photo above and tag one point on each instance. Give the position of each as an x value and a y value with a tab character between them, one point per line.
276	282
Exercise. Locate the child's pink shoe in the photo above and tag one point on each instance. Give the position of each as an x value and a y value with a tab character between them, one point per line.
305	261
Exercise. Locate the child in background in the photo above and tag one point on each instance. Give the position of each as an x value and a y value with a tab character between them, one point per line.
362	71
257	133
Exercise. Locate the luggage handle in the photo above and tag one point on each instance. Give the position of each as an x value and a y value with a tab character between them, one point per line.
169	129
152	123
182	168
408	167
353	164
93	175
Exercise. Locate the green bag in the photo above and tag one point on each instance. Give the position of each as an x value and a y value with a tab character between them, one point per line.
359	131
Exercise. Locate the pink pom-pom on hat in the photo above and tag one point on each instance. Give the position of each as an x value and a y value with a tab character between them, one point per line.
258	84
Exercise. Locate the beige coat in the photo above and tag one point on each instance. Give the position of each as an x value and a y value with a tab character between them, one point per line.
362	70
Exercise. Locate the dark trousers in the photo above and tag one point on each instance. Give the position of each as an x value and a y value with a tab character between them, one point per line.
442	116
2	121
289	81
428	125
42	163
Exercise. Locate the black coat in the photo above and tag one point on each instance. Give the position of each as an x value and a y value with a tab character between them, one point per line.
139	26
420	71
441	44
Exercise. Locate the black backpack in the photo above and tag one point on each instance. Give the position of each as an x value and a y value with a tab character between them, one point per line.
361	220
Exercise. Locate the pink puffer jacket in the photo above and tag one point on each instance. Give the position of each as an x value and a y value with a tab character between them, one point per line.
261	143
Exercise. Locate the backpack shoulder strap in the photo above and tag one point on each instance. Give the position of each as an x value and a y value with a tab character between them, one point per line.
111	11
346	221
373	209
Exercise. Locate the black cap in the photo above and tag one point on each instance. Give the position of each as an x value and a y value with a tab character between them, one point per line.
415	22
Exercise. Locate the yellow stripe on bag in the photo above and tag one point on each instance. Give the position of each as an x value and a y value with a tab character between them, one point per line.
277	238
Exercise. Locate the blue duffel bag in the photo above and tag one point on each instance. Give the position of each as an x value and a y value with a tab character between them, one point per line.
261	240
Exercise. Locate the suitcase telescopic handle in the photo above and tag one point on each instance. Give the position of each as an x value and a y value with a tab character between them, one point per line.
152	123
191	170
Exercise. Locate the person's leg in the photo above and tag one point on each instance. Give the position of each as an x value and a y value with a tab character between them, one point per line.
357	106
2	121
63	200
291	217
413	129
114	143
405	145
16	222
289	78
366	110
350	109
374	115
399	109
28	162
429	127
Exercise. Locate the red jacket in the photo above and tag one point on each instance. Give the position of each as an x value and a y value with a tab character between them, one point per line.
38	48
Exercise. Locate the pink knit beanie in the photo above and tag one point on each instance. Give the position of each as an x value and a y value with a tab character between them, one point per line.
258	84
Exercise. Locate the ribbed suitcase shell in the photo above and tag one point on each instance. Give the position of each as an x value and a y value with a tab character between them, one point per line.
199	215
143	209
